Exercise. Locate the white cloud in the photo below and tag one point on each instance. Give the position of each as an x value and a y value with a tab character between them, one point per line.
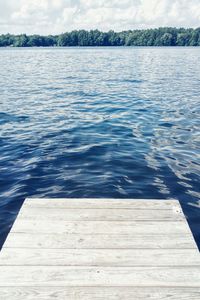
55	16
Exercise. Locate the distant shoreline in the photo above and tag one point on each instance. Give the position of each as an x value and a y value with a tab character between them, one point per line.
159	37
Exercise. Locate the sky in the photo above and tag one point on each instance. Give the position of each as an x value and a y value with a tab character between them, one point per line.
57	16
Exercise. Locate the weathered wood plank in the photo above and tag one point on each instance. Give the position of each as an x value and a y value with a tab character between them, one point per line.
99	257
71	214
99	293
102	203
99	227
87	241
99	276
84	249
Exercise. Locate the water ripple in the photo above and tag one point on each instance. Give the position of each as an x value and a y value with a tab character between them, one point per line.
100	123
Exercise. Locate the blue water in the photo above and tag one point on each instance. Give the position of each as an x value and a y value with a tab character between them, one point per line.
100	122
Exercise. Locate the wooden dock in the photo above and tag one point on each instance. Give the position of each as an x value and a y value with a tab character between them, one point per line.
95	249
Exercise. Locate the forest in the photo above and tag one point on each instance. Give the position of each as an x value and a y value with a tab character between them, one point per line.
165	36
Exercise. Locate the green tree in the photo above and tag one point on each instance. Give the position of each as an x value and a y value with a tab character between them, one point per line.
166	39
163	36
183	39
21	41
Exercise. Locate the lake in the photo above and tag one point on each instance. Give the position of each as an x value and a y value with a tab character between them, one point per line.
99	122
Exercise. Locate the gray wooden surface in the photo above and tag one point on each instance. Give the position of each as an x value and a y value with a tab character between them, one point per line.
84	249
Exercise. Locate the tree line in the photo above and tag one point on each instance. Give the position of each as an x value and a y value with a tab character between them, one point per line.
166	36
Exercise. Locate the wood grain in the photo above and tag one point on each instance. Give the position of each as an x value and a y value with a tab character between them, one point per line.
99	276
94	214
99	257
100	241
102	203
99	227
90	249
99	293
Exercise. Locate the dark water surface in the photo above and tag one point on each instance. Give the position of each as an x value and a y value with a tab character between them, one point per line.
101	122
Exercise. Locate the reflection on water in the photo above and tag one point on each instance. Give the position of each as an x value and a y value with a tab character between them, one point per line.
105	122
